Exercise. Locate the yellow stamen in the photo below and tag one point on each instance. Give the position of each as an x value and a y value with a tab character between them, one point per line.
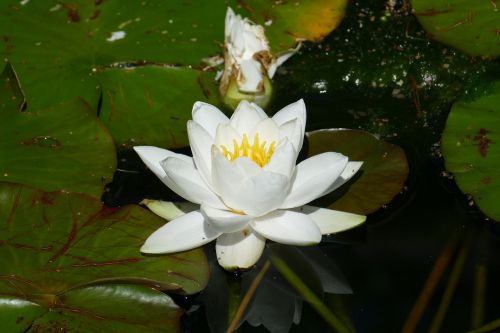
257	152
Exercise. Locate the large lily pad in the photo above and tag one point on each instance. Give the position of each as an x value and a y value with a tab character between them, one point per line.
469	25
471	151
67	49
68	254
381	177
64	147
167	106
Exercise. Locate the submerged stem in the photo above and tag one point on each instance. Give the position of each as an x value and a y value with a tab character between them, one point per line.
248	297
456	272
430	285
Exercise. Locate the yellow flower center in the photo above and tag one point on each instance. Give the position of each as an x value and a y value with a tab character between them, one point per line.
256	151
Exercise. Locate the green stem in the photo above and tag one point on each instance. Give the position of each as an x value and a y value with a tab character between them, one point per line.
247	298
430	285
450	287
234	298
488	327
480	278
309	296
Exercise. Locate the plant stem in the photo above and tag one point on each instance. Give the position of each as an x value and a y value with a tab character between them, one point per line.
430	285
480	280
456	272
309	295
248	297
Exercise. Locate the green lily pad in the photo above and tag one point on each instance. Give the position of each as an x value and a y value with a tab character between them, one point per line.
111	308
166	106
67	253
68	49
471	151
469	25
381	177
64	147
287	22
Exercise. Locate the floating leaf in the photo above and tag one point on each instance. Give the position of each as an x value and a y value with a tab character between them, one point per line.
381	177
11	94
111	308
469	25
164	108
63	147
287	22
85	48
471	151
61	252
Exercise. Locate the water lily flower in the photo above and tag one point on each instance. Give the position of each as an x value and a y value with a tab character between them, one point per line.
248	61
244	176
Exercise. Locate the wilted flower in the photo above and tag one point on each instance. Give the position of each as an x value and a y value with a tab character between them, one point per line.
244	176
248	61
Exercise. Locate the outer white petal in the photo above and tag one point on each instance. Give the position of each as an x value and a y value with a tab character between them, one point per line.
313	177
246	117
287	227
201	143
240	249
281	59
350	170
291	111
223	220
244	186
331	221
184	233
208	116
152	156
230	17
188	183
293	130
168	209
268	131
283	160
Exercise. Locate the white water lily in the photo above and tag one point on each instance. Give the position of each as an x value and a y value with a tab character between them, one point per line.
244	176
248	61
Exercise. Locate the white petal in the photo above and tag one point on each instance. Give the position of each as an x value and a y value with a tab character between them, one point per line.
187	182
223	220
291	111
268	131
283	160
293	130
152	156
201	144
226	135
350	170
230	17
168	209
184	233
250	76
330	221
244	186
287	227
208	116
281	59
246	117
240	249
313	177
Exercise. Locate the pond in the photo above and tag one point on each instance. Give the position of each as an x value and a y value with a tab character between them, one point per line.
409	87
